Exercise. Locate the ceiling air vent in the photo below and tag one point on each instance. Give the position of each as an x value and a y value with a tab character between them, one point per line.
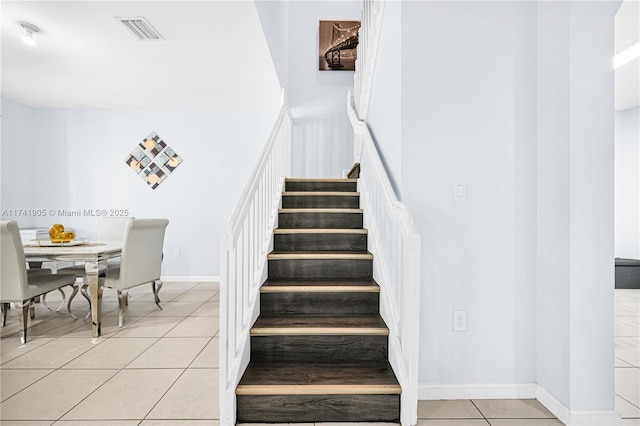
140	27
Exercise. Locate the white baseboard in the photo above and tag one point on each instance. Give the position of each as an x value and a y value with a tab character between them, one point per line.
477	391
577	418
191	279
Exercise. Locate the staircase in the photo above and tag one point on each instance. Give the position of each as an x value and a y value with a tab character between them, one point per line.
319	349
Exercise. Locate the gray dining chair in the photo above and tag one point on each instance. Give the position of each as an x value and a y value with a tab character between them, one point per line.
17	285
110	229
141	261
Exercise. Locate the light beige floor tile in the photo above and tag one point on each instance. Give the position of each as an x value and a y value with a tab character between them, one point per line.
628	384
109	327
214	285
178	286
196	327
183	422
170	353
196	296
454	409
55	394
11	348
130	394
193	396
149	327
630	422
136	308
114	353
630	356
622	364
216	298
97	423
512	409
52	327
208	309
177	309
209	357
53	354
627	326
525	422
626	409
452	422
13	381
27	423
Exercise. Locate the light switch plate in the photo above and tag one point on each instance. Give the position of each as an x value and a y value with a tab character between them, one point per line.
460	191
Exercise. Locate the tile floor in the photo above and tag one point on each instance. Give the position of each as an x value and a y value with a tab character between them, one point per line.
162	367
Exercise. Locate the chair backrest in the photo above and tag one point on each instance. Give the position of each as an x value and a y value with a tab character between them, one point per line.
112	228
142	252
13	269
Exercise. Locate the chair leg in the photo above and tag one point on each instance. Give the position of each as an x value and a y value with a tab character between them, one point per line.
32	308
24	307
156	291
5	310
73	294
122	300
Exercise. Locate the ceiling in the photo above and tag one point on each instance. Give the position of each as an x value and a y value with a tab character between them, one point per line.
214	55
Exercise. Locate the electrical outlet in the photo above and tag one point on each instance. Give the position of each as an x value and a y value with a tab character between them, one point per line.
459	320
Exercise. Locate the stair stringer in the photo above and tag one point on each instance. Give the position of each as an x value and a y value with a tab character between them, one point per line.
404	367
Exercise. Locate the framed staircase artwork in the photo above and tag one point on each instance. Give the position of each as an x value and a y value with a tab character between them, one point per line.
338	41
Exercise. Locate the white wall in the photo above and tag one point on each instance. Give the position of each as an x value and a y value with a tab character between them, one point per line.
468	115
515	99
575	203
17	160
78	161
627	192
385	109
274	16
322	136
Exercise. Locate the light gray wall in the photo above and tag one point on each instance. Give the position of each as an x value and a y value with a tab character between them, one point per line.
322	135
468	115
627	190
274	16
385	109
77	159
17	171
516	100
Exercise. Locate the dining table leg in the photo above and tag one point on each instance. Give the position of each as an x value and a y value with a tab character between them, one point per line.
95	293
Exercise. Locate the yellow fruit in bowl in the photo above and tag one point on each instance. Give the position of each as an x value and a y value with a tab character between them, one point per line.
57	234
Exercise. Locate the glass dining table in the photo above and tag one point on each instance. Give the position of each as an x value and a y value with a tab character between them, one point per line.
92	254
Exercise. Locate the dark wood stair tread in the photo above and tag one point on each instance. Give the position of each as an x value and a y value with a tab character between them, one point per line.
321	193
272	286
320	210
320	231
320	255
317	322
341	378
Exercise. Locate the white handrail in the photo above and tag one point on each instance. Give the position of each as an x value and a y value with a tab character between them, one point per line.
243	255
396	268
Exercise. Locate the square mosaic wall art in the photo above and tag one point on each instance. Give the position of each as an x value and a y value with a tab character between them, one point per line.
153	160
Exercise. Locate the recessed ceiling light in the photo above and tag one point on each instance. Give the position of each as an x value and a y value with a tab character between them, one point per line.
627	55
28	36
